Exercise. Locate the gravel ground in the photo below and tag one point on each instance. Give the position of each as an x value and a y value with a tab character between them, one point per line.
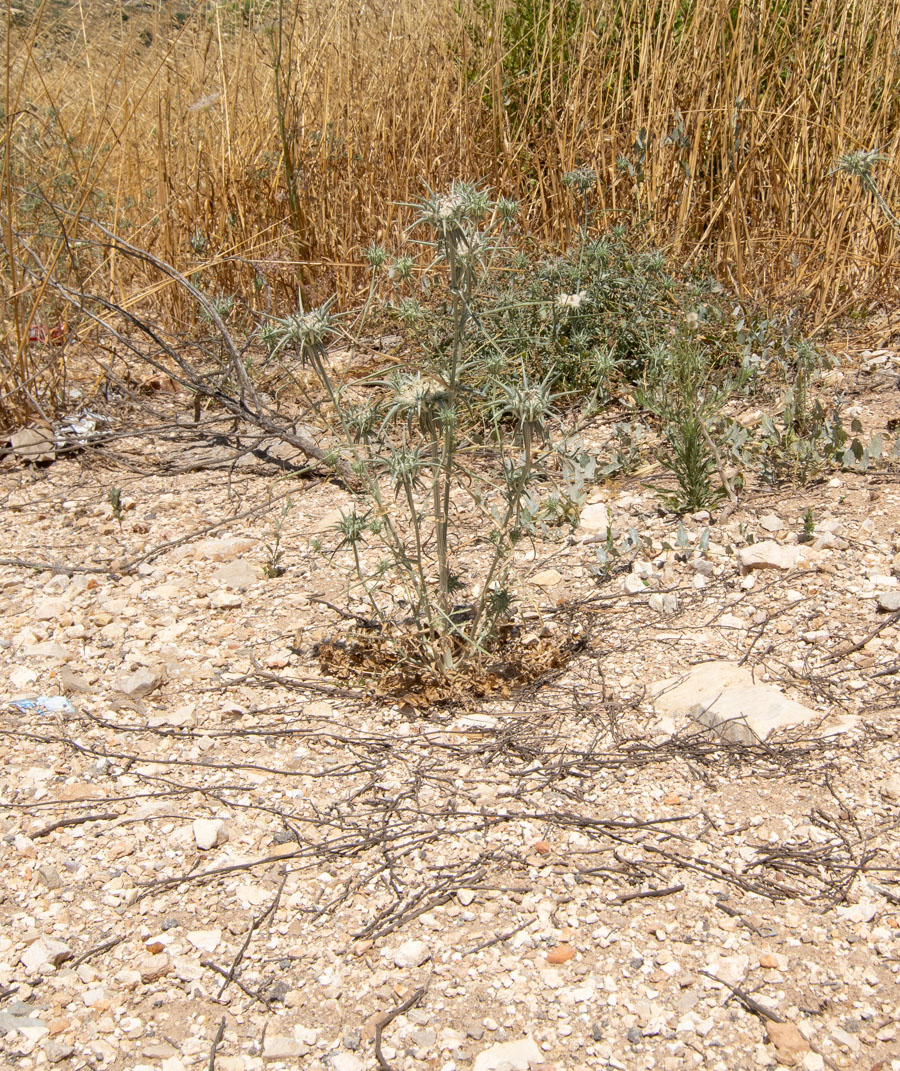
215	855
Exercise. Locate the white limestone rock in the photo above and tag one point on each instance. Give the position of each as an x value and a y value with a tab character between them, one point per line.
209	833
724	697
771	555
509	1056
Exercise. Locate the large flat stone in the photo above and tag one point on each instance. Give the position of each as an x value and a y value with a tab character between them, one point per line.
34	444
141	682
45	950
22	1023
724	697
238	574
771	555
699	684
215	550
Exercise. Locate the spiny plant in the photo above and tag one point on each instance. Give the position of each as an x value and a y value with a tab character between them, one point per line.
600	315
263	116
413	453
259	117
860	165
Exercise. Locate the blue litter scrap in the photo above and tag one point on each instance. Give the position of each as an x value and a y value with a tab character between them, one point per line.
44	704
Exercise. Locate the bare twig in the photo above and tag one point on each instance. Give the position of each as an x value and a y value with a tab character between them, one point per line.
104	946
128	566
723	476
203	875
732	912
56	567
888	671
751	1004
243	988
363	622
641	894
388	1018
844	651
498	939
891	897
254	926
75	820
216	1042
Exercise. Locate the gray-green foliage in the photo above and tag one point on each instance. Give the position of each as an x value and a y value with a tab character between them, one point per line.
803	436
600	317
273	567
616	553
687	394
860	165
411	447
625	450
114	495
794	451
466	444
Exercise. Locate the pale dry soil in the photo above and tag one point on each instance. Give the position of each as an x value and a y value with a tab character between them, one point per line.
558	864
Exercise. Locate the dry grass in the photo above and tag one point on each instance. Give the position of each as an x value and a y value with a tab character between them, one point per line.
241	153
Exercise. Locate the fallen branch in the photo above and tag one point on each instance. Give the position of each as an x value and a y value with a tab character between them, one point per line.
246	404
844	651
254	926
733	913
498	939
203	875
243	988
128	566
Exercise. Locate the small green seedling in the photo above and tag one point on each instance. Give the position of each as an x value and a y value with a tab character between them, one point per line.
114	495
272	567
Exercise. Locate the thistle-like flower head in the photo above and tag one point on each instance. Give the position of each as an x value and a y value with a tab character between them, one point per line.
860	164
416	399
352	527
464	202
302	331
405	466
361	421
401	268
582	179
376	255
506	209
409	312
529	404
